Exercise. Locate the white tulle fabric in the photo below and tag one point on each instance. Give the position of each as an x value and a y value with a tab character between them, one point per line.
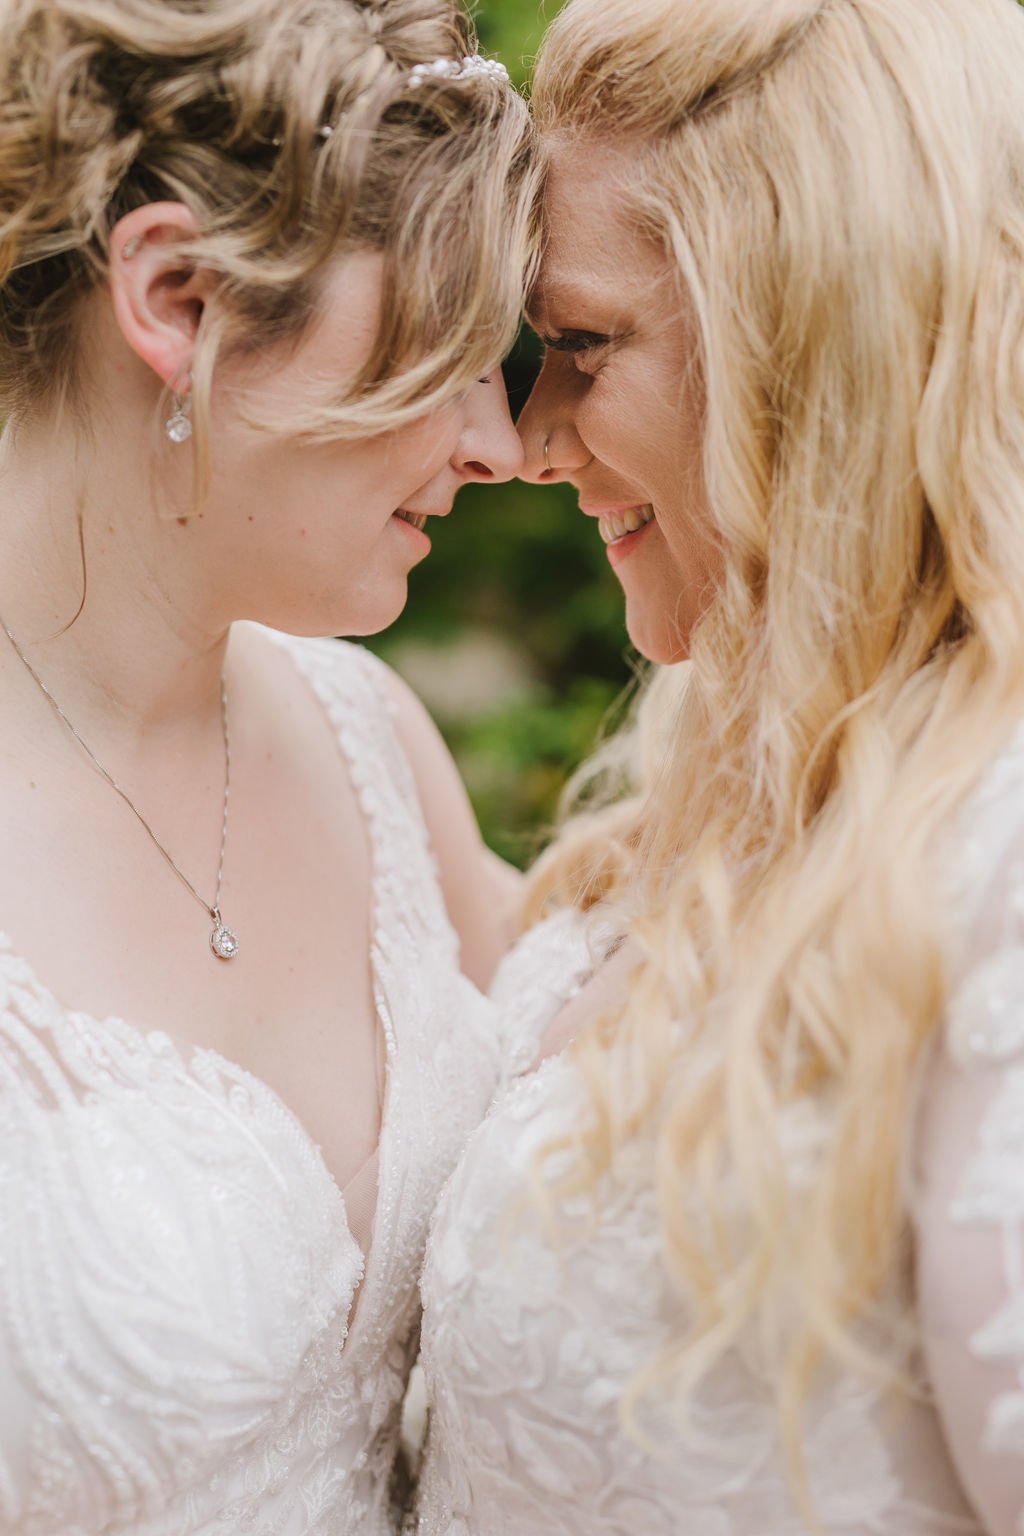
529	1343
176	1266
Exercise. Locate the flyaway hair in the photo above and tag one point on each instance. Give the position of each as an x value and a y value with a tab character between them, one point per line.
840	187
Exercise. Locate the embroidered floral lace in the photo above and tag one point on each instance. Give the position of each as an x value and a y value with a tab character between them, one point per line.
529	1344
176	1265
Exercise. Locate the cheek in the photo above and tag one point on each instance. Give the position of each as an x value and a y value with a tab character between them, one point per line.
418	452
671	581
611	421
630	423
684	511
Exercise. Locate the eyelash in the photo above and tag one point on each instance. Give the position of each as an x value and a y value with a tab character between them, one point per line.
584	347
576	343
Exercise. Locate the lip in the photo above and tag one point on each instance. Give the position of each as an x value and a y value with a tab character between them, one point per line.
422	538
624	547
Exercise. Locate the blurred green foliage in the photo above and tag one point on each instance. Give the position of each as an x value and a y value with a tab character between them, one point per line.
512	30
516	573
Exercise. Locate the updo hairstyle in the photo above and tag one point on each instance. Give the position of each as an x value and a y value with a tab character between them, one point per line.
291	130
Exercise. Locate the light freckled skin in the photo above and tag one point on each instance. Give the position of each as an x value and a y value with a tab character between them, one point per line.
623	418
349	566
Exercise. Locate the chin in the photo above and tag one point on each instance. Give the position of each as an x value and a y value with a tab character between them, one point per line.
369	618
661	643
361	614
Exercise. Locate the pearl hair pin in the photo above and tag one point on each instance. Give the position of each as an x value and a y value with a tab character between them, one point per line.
459	69
471	66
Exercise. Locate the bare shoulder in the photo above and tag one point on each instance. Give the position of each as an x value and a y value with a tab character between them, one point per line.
482	892
420	737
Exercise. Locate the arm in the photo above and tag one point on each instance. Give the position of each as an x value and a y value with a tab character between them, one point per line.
970	1234
481	891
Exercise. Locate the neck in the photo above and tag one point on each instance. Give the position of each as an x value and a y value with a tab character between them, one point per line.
103	588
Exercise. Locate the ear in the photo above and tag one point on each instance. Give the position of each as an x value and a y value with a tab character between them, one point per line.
158	297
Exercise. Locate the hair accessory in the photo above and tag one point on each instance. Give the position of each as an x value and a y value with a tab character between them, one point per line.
472	65
178	426
459	69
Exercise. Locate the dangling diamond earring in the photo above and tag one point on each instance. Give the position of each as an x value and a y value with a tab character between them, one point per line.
178	426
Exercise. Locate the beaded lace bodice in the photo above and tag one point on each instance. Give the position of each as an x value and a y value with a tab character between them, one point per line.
176	1265
529	1345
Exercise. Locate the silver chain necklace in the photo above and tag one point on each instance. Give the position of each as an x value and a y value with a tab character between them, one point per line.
223	942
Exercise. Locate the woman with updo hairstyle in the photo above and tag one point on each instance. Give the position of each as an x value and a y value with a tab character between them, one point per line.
259	263
744	1255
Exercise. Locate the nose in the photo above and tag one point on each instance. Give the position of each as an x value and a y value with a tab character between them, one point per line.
552	447
489	450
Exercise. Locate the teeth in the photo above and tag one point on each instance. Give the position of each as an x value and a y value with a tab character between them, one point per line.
418	519
616	525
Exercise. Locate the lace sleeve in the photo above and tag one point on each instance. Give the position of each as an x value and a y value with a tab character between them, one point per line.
544	972
969	1203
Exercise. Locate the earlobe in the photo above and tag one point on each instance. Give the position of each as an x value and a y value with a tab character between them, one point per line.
157	297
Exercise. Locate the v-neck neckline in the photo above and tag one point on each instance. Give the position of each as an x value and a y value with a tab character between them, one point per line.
188	1050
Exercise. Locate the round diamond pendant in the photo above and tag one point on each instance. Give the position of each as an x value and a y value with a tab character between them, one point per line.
223	942
178	428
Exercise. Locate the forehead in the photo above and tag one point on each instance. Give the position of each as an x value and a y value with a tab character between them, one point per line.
593	248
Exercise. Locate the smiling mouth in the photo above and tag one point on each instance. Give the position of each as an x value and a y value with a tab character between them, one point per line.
417	519
613	526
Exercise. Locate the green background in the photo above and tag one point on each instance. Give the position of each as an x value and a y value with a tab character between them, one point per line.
514	634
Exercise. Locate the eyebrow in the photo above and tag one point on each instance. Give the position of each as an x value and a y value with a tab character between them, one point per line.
564	293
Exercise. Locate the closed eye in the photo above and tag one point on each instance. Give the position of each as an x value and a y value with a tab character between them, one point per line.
576	342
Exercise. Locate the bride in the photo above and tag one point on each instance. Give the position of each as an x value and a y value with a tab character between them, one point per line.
259	261
748	1259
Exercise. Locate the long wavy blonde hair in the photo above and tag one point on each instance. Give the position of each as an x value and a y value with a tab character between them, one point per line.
841	186
291	130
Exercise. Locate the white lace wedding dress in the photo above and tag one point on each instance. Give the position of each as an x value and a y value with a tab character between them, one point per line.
177	1267
529	1344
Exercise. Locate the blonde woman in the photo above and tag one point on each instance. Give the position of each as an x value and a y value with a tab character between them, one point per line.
748	1258
259	260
